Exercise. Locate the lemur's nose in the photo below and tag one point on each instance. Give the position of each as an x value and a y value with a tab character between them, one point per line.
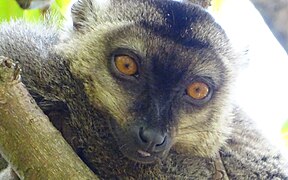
153	139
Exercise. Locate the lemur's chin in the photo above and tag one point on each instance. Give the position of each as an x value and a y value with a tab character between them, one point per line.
144	157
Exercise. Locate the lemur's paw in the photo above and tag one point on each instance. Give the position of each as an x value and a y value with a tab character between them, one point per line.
9	71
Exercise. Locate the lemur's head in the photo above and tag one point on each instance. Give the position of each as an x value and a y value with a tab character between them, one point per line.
161	70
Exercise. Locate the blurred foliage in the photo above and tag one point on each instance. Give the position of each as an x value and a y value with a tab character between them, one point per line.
216	5
285	133
9	9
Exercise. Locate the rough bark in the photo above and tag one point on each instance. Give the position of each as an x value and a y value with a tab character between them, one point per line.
275	14
28	140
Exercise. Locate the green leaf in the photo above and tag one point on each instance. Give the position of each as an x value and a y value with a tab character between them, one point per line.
32	15
284	132
61	7
285	127
9	9
63	4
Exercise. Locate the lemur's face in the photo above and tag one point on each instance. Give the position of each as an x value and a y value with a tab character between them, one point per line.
164	83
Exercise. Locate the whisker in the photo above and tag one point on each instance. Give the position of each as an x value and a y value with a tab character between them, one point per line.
123	146
202	131
192	126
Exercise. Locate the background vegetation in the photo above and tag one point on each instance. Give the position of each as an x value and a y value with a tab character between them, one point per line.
285	133
9	9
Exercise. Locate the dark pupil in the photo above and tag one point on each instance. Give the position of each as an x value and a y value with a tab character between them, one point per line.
127	65
198	89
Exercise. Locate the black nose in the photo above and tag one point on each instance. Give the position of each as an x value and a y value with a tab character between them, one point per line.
153	138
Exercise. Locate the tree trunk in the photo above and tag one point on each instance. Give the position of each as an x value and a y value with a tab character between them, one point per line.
275	14
28	140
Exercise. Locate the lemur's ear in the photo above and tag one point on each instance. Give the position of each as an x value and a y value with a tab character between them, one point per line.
85	12
81	12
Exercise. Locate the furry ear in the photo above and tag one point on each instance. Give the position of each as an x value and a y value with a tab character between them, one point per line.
85	12
82	11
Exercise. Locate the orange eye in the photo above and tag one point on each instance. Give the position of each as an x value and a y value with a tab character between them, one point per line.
126	65
198	90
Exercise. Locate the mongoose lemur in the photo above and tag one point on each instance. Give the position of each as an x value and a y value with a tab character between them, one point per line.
142	88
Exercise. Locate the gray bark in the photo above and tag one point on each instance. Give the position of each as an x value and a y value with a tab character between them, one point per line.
275	14
34	148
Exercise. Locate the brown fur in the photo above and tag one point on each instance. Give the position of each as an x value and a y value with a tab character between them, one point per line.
72	72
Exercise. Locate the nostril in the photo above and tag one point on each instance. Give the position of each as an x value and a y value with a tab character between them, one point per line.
162	143
152	137
141	135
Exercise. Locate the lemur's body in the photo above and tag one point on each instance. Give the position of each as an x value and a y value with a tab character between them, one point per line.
142	124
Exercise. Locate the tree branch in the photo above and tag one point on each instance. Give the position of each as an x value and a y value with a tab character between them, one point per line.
28	140
275	14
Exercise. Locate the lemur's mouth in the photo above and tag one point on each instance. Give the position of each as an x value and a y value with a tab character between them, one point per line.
141	154
144	153
142	145
144	157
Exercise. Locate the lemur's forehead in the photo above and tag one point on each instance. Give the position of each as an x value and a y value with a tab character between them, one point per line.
170	62
171	36
179	22
183	23
171	57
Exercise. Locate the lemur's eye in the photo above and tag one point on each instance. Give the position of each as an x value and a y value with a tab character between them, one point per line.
126	65
197	90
